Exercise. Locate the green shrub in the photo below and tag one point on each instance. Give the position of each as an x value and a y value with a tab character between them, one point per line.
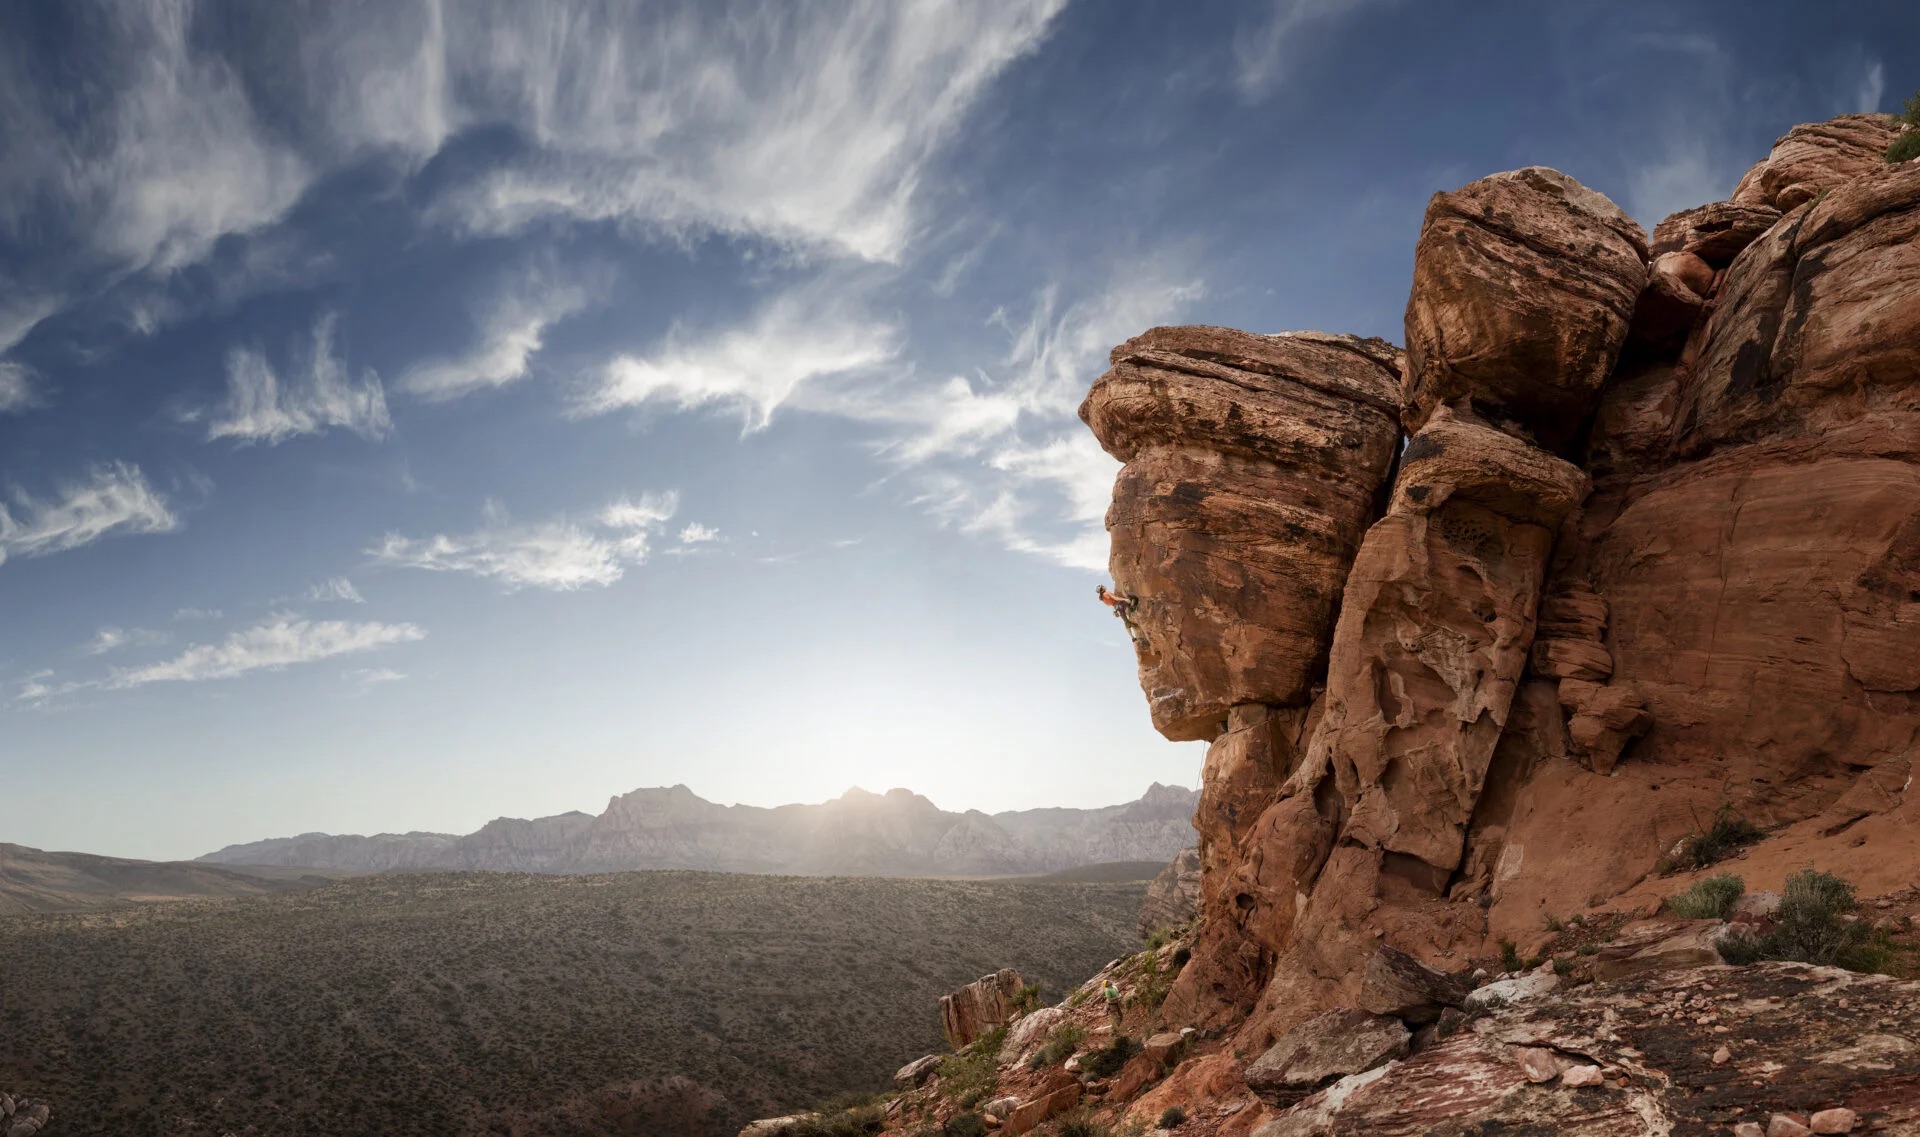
969	1077
1172	1117
1811	928
1709	899
1160	937
1905	148
1154	982
1724	836
1059	1046
1081	1124
1554	924
859	1121
1027	999
1106	1061
1509	956
1910	111
964	1125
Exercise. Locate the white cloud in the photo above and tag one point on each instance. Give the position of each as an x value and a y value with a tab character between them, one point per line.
511	330
337	588
365	678
1000	454
807	125
561	555
315	395
197	614
1873	87
698	534
279	643
110	638
173	157
17	319
115	498
1692	168
797	339
16	387
1264	52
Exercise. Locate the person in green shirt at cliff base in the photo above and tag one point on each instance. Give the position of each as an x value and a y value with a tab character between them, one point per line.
1112	994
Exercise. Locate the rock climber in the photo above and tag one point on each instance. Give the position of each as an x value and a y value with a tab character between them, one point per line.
1122	606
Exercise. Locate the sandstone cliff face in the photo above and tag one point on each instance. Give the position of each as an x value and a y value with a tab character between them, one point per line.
1650	548
1253	464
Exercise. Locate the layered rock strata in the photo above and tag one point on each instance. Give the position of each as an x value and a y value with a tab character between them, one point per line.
1524	284
981	1005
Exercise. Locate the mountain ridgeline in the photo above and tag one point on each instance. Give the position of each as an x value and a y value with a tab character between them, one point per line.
898	833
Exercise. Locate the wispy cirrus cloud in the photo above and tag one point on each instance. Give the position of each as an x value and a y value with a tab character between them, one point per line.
1268	47
794	340
1872	88
165	155
275	644
510	329
113	498
111	638
561	555
334	589
16	387
807	126
999	452
315	393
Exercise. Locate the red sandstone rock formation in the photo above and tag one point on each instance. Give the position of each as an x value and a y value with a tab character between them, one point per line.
1253	465
1650	550
981	1005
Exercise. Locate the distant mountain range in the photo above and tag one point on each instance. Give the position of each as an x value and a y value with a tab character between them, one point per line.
898	833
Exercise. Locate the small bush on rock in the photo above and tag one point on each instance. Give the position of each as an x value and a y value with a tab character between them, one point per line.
1509	956
1905	148
1059	1046
859	1121
1106	1061
1724	836
1709	899
1172	1117
964	1125
967	1078
1081	1124
1812	926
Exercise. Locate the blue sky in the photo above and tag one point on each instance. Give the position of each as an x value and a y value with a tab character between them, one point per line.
413	413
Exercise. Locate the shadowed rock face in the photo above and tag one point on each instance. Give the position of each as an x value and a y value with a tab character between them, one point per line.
1815	327
1523	287
1253	465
